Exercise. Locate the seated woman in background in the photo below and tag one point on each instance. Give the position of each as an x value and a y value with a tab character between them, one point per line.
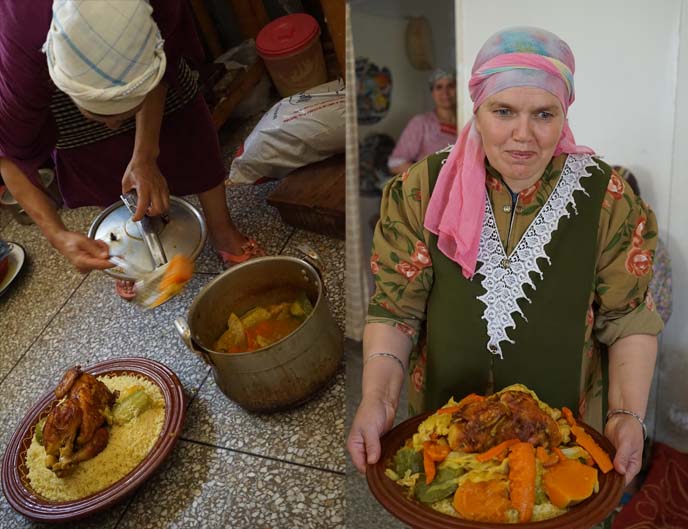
432	131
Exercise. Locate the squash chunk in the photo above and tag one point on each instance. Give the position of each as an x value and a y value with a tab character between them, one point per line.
569	482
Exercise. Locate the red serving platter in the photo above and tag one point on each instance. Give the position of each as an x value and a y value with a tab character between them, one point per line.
15	482
419	516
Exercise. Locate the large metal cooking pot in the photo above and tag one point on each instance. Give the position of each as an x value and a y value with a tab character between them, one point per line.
285	373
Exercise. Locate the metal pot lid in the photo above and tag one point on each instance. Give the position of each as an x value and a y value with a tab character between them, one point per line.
182	231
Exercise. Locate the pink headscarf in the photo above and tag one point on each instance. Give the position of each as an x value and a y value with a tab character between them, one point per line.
513	57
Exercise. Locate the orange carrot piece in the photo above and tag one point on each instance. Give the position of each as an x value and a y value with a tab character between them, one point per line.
545	458
429	467
559	453
496	450
522	479
448	409
433	452
473	397
438	452
596	452
180	270
568	415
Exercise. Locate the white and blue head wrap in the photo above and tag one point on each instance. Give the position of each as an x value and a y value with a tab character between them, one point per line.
106	54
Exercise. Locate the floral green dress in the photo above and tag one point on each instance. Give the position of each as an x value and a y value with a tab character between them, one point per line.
619	303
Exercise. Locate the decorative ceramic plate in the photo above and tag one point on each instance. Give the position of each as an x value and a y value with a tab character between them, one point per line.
16	259
15	482
419	516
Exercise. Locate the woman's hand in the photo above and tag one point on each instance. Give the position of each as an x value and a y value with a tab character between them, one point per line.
84	253
374	417
151	187
626	434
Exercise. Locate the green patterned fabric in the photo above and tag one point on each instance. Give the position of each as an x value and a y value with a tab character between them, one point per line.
546	353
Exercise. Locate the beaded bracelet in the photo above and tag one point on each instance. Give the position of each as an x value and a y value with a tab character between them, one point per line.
632	414
387	355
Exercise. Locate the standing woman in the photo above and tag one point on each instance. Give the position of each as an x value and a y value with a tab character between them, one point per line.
106	90
519	257
427	133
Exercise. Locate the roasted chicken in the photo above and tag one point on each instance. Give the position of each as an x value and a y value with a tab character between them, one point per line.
74	429
481	423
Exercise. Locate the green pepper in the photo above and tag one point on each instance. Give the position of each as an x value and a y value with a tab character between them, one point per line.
408	459
444	484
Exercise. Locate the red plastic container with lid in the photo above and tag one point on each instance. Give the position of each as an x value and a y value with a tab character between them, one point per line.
290	47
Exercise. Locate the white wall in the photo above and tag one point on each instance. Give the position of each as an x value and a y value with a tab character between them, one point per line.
379	29
672	424
628	77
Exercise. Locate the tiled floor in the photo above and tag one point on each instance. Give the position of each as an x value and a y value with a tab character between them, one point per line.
230	468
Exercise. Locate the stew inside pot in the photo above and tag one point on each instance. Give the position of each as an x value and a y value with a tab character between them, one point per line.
266	323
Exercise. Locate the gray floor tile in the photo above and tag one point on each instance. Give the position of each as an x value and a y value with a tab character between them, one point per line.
5	219
205	487
312	434
44	284
9	519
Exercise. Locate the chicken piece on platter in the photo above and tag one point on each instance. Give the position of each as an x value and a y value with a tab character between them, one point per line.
74	429
60	431
481	424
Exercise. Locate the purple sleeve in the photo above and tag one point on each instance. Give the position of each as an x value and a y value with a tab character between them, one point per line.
27	129
408	147
176	25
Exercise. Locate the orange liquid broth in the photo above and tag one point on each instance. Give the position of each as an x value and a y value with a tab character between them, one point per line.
272	330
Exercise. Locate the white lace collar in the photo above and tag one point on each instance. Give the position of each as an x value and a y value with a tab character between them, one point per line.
505	276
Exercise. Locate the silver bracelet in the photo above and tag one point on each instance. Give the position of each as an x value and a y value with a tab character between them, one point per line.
387	355
632	414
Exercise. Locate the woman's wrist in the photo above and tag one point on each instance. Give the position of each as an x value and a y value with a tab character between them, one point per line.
620	413
145	154
382	381
55	236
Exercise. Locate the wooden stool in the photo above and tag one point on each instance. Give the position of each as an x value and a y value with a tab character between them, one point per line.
312	197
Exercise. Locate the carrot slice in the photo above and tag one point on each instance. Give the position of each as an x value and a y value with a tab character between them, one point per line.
496	450
596	451
545	458
473	397
568	415
429	467
522	479
448	409
559	453
433	452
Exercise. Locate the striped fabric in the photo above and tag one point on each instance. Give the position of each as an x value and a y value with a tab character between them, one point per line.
75	130
106	54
